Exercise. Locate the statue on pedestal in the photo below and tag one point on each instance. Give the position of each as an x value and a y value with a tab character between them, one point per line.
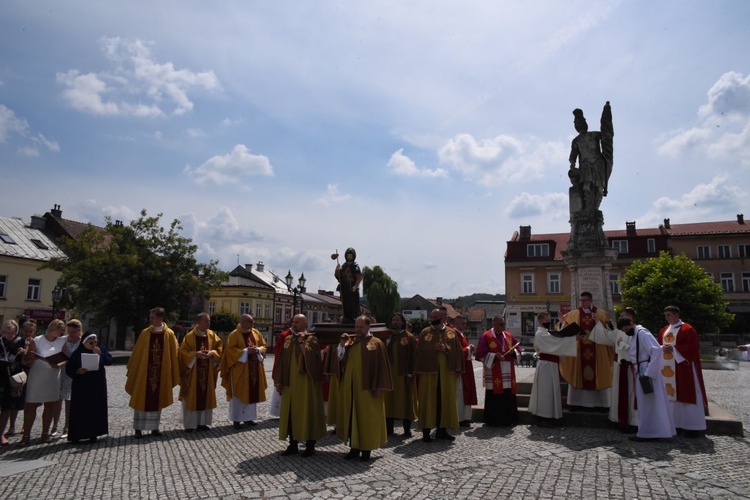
349	277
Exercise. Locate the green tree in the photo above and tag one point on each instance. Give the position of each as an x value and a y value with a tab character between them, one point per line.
224	322
381	293
651	285
120	272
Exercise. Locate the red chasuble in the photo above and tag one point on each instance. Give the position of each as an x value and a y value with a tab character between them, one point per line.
500	347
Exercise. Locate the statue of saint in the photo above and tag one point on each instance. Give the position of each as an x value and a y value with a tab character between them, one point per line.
593	150
349	277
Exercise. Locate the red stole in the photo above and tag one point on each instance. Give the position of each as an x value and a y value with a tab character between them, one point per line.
252	368
201	367
587	322
153	380
468	383
500	347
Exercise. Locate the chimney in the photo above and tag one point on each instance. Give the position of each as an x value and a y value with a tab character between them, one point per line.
741	219
439	300
525	232
118	223
249	268
630	228
38	222
56	212
259	266
666	224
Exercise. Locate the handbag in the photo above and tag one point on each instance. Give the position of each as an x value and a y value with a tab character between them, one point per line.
647	383
19	379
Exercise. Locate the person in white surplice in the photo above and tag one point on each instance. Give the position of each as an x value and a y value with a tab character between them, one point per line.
546	399
654	412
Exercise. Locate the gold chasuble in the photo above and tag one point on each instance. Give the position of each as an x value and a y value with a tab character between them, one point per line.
438	369
401	402
591	369
299	372
361	405
198	383
153	370
244	381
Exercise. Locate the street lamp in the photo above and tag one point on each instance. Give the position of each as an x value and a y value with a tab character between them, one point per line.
297	290
57	295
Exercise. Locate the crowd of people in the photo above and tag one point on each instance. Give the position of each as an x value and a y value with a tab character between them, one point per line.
362	385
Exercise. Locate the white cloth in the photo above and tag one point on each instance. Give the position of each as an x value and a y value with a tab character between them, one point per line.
546	397
43	384
620	342
655	416
690	417
464	411
192	419
239	412
275	409
746	354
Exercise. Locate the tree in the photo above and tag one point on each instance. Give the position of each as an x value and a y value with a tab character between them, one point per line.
651	285
120	272
381	293
224	322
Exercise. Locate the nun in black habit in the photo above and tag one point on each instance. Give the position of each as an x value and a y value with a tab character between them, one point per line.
88	399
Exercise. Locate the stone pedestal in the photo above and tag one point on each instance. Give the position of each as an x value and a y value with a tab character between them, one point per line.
589	272
330	333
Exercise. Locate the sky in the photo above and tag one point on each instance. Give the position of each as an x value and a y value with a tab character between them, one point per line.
420	133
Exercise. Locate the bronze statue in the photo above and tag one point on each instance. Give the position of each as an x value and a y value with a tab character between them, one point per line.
349	277
594	153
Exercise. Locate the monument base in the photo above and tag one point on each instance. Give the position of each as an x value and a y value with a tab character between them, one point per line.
330	333
589	272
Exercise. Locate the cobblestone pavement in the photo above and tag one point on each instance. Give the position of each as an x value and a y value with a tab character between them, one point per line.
525	461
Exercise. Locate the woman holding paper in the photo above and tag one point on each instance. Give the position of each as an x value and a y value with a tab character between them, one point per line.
45	357
88	401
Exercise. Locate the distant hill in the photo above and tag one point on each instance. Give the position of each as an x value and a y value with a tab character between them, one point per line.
466	301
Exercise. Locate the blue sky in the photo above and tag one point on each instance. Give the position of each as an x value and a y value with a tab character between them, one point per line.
421	133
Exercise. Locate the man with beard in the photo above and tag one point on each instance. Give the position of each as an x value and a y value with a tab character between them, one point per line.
242	373
439	363
401	402
298	377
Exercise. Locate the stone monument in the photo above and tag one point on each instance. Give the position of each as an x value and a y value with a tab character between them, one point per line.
588	256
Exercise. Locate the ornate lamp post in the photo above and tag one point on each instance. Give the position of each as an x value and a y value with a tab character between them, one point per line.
57	295
297	290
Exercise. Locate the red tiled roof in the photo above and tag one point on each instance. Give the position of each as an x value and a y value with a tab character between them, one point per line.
720	227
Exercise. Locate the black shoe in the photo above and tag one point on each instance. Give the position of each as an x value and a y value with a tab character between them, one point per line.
406	434
426	436
93	439
309	449
138	434
237	426
353	453
443	434
292	449
630	429
75	441
203	428
693	434
465	423
365	456
642	440
250	422
188	430
156	433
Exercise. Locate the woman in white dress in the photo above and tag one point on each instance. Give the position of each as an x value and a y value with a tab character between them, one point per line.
43	386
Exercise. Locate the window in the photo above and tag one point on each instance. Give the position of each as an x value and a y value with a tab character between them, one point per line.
651	245
7	239
537	250
211	307
278	315
614	283
3	284
244	308
727	282
704	252
267	311
725	251
527	283
744	251
746	282
32	292
257	309
553	282
40	245
620	245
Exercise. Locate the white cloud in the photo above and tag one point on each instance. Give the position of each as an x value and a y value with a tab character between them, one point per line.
332	196
136	85
230	168
551	205
195	133
707	201
400	164
492	162
10	124
723	132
